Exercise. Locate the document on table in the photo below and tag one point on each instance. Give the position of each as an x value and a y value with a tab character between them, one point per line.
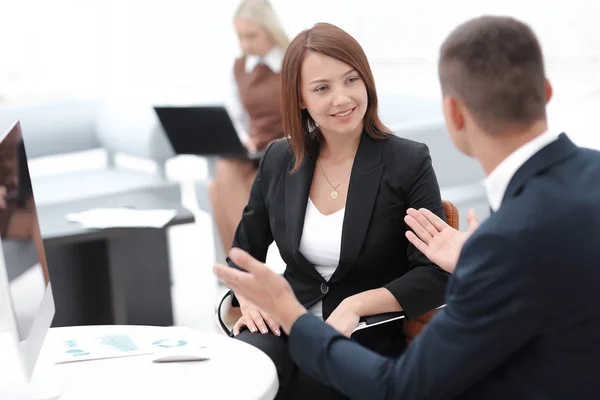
121	217
96	345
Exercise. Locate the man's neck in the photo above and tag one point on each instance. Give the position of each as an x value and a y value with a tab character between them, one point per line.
492	149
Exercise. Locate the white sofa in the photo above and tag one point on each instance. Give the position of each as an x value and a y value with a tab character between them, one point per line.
70	126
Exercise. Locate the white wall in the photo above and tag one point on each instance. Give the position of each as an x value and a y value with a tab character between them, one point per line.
178	50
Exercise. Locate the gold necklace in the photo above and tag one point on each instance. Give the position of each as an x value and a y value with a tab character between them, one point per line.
334	193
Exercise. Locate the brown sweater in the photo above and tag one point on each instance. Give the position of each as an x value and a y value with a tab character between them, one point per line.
260	96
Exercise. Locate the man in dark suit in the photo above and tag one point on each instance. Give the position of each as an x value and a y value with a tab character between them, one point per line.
522	319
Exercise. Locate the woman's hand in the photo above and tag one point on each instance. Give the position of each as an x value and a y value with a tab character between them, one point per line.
263	287
255	319
344	318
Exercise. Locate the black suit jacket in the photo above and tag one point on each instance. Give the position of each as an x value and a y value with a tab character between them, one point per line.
522	319
387	177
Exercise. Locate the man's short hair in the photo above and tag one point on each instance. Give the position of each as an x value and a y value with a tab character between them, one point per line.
494	65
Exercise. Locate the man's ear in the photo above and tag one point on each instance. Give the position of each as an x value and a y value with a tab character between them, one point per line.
549	91
454	112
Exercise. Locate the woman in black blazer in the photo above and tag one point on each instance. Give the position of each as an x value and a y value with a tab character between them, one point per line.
343	178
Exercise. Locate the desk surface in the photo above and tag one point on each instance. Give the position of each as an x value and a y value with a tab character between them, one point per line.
56	229
235	370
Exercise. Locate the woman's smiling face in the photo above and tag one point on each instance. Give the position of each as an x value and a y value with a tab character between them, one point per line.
334	94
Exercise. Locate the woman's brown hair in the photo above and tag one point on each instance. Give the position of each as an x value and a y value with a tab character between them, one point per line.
336	43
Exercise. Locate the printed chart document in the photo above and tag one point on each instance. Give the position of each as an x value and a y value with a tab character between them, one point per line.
96	345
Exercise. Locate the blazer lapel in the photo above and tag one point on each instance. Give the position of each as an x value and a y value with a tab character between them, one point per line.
297	189
362	193
552	154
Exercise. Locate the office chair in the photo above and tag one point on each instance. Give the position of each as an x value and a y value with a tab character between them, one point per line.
413	327
227	318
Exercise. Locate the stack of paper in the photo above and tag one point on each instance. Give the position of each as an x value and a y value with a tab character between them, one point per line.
101	218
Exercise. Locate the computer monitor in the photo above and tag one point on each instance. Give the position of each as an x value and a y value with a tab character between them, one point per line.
26	301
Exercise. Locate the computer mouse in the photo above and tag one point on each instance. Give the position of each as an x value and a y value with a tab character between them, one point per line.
181	357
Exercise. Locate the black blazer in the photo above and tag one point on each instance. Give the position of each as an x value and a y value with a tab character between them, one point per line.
387	177
522	319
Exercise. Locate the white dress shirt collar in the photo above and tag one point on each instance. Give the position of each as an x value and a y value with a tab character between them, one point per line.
273	59
497	182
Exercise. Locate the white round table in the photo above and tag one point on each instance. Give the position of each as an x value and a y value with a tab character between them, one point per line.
235	370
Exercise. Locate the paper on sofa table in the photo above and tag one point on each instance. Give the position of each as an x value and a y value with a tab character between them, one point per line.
122	217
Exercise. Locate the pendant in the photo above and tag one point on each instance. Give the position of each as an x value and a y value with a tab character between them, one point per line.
334	195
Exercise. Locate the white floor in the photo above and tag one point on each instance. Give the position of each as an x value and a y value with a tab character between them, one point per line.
195	289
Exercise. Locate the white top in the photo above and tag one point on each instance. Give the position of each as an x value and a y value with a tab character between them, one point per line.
321	243
137	377
273	59
497	182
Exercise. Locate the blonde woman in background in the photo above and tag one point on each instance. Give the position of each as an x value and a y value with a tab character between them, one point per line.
254	107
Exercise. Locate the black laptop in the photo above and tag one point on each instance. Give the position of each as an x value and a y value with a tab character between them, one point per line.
202	130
